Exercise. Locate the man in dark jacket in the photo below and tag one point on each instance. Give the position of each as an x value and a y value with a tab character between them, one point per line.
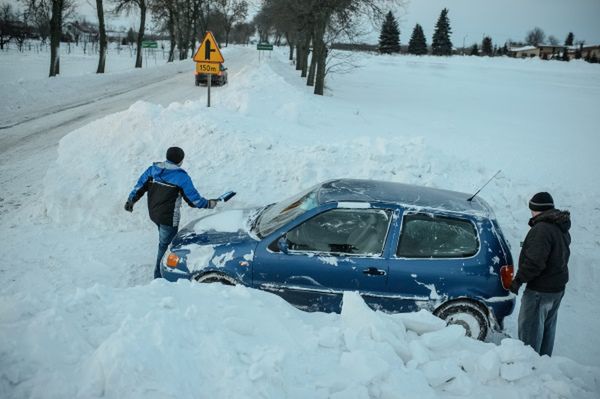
543	267
167	183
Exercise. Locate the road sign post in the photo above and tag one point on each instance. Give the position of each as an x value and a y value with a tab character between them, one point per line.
263	47
208	57
208	84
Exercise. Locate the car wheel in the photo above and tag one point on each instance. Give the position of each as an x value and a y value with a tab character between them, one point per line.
215	278
467	314
197	83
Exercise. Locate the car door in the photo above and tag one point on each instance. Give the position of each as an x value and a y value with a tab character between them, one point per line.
312	263
430	253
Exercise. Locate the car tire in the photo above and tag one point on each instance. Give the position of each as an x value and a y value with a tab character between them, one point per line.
468	314
197	83
215	278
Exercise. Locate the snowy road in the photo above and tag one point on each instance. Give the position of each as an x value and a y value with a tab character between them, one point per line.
28	147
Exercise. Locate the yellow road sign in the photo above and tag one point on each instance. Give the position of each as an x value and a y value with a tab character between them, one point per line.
207	67
208	50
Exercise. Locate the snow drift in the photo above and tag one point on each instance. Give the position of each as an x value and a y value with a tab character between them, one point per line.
187	340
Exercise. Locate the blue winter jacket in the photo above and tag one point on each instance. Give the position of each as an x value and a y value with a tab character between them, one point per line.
166	184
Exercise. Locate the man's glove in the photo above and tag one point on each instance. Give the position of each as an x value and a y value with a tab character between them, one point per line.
514	287
212	203
129	206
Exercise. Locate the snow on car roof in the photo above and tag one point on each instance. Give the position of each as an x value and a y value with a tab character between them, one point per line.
349	190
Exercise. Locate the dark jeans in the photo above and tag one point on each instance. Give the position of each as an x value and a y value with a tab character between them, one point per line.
537	319
165	236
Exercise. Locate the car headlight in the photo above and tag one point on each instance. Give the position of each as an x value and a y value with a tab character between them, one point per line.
171	260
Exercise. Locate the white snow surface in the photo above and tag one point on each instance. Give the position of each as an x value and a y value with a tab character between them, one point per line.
80	316
229	221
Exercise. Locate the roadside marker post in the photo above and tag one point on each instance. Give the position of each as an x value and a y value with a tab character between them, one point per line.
208	57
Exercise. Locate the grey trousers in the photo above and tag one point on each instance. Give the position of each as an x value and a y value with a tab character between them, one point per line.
537	319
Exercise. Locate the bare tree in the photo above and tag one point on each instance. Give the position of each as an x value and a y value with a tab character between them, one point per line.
553	40
242	32
102	31
315	22
7	18
128	6
61	10
164	13
191	20
232	12
38	14
535	37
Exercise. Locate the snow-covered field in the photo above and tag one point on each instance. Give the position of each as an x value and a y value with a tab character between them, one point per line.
80	316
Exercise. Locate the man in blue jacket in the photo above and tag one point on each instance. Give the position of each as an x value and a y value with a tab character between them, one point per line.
167	183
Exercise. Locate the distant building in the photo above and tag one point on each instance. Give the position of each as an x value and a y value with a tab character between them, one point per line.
590	51
524	52
80	31
549	52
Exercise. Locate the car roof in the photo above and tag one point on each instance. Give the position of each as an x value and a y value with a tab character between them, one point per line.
358	190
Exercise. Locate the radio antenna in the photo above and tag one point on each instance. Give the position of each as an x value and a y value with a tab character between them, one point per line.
488	182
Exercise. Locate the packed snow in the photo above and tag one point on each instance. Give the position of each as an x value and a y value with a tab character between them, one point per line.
81	317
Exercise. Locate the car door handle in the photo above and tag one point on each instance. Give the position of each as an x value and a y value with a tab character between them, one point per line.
373	271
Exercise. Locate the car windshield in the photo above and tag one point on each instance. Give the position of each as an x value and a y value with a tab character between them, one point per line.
275	216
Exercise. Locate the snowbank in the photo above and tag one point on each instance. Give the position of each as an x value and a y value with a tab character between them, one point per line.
439	122
189	340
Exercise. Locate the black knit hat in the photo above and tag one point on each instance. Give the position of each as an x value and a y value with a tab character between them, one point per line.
541	202
175	155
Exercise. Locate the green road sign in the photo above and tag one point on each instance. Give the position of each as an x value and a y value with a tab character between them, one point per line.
264	46
149	44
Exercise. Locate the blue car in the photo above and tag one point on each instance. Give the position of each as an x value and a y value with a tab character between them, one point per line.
402	247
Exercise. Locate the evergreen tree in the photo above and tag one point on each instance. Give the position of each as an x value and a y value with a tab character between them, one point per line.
389	38
569	40
418	43
474	50
486	47
441	44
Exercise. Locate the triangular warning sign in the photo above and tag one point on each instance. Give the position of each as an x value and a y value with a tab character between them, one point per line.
208	50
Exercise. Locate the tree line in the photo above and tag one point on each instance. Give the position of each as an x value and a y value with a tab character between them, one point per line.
311	27
182	21
389	41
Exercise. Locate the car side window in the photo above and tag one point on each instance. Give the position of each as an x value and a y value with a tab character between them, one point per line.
431	236
342	231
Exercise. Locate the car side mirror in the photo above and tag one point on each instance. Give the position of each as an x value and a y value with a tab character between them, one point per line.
282	244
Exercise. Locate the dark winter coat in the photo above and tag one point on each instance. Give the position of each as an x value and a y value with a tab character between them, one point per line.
545	253
166	184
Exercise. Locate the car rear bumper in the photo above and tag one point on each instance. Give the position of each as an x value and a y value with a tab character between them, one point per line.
500	307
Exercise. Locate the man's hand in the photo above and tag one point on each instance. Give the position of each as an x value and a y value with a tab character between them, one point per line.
514	287
129	206
212	203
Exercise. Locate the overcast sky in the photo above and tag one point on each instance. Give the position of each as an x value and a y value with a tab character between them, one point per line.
505	19
472	19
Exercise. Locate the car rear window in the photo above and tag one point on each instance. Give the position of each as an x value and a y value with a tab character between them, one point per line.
432	236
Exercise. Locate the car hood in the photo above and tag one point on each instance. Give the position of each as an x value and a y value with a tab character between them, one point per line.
226	227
